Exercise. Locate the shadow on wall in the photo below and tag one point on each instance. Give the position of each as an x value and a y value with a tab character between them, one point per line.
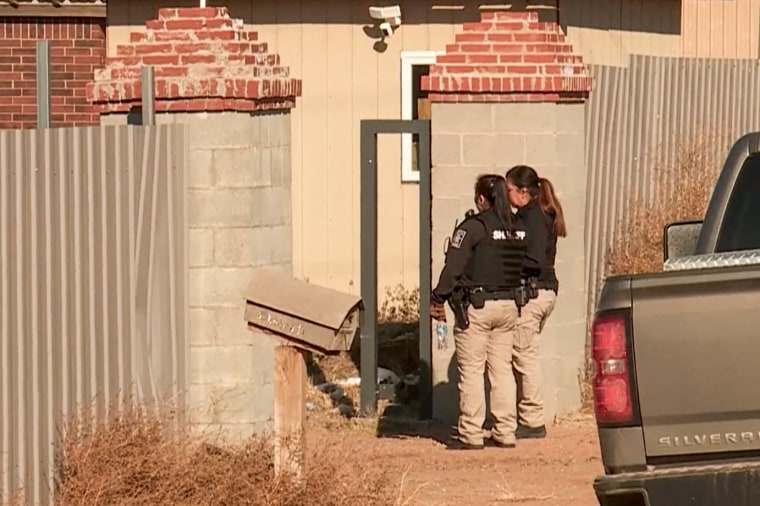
662	16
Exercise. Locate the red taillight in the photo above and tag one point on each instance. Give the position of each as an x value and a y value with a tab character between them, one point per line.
612	385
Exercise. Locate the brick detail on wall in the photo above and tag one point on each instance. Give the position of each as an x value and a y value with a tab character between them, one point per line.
508	57
203	60
77	48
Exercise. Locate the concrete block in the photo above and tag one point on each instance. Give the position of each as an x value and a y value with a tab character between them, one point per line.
281	172
203	325
201	168
568	401
243	247
200	247
265	165
222	365
238	168
274	128
214	287
571	147
275	207
494	152
215	130
446	213
541	149
471	118
455	181
281	243
240	404
571	118
239	207
446	149
526	118
232	329
264	346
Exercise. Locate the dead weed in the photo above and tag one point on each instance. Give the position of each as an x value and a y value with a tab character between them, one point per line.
142	458
682	192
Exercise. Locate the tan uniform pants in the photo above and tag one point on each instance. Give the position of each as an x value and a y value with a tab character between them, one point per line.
487	344
530	408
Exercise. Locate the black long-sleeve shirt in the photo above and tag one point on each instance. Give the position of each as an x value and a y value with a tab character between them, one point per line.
542	242
466	236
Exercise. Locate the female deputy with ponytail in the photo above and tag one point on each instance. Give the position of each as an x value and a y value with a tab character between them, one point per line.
485	261
541	214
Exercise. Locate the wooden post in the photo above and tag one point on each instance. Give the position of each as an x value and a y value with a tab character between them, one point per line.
289	409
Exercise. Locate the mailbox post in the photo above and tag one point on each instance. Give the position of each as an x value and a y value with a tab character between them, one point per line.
300	317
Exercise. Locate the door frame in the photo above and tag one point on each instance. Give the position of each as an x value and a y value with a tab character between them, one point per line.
370	129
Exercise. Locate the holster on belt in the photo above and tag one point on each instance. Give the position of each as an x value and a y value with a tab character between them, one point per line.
532	285
459	301
521	298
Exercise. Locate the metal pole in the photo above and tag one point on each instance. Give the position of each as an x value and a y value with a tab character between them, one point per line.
148	97
426	337
43	84
368	248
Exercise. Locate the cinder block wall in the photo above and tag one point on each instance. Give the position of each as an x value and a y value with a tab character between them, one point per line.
472	139
510	91
240	219
235	100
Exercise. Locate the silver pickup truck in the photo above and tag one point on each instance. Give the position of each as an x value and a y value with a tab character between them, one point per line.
676	358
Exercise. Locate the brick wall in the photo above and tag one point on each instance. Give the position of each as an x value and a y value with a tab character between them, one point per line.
508	57
78	47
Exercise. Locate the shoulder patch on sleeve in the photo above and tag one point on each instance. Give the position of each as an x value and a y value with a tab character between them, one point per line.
456	241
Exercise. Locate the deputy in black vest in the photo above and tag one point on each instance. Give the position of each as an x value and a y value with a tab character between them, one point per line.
480	280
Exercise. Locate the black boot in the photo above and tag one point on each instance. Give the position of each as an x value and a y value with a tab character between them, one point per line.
458	444
525	432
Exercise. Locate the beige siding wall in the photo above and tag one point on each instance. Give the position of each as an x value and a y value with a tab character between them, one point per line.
346	80
606	32
721	28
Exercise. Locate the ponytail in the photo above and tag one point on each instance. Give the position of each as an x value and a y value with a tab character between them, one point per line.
493	188
549	204
501	203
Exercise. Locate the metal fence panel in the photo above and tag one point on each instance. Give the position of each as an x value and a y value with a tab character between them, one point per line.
92	283
643	111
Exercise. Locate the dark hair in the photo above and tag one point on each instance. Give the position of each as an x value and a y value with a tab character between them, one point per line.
493	188
541	189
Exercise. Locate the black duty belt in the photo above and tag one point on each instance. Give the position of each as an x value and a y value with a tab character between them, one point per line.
508	294
546	285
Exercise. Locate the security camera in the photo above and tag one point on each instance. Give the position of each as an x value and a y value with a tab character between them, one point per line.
389	17
386	28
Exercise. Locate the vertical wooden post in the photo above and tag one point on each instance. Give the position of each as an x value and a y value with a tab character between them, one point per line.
289	409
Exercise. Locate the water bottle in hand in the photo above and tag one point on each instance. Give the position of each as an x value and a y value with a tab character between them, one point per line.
442	332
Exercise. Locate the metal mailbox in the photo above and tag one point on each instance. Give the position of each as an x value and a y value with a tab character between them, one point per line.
309	316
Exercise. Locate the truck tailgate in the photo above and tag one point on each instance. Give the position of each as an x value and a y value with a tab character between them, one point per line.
697	353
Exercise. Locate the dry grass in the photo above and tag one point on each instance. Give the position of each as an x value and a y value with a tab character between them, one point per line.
400	306
682	192
144	459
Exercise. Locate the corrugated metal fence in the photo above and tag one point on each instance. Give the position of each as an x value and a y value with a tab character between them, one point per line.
92	284
640	113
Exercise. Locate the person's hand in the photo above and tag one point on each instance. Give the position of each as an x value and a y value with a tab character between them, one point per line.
437	312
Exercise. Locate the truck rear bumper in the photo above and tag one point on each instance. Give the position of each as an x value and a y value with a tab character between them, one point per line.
724	485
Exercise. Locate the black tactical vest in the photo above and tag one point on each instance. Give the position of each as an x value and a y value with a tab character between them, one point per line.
497	261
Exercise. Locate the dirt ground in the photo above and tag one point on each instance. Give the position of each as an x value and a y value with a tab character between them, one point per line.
558	470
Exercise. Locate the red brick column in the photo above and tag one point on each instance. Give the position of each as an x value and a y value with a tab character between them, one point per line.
77	48
509	57
204	61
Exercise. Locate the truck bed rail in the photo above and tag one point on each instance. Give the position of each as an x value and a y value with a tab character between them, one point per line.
713	260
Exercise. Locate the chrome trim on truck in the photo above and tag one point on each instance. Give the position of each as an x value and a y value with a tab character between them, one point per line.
713	260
